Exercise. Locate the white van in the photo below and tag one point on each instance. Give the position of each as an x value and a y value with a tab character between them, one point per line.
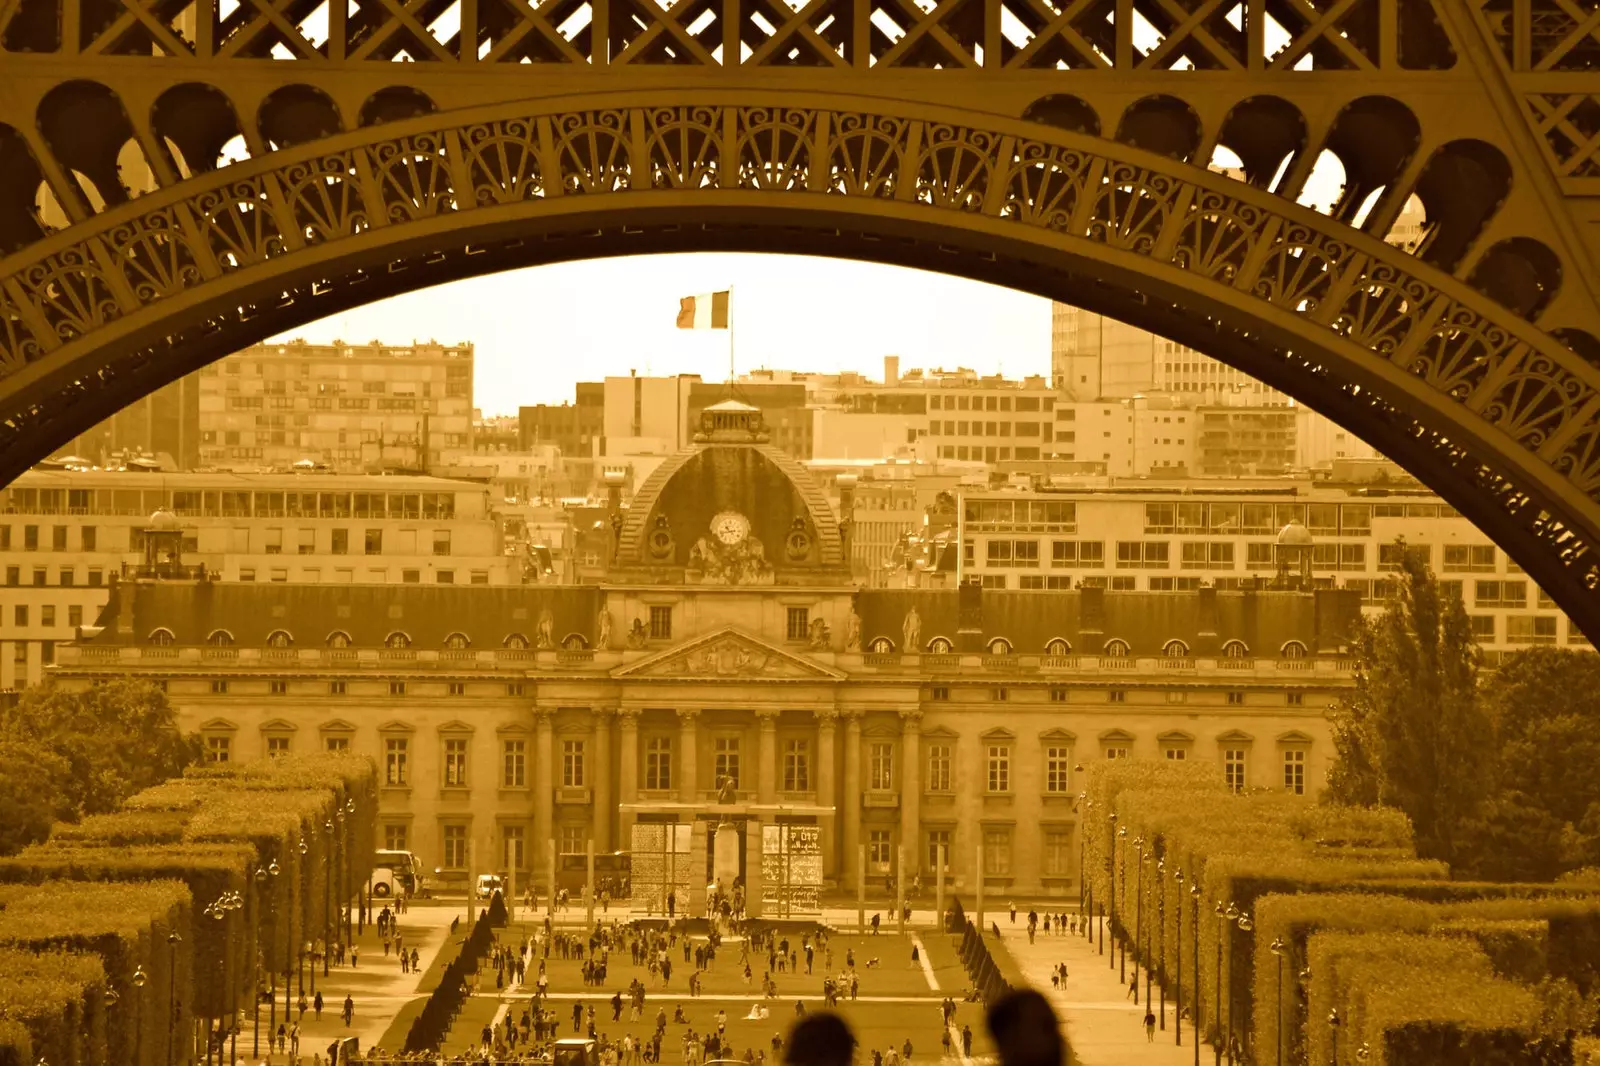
383	884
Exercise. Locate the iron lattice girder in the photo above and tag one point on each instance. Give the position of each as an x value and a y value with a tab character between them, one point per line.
1499	416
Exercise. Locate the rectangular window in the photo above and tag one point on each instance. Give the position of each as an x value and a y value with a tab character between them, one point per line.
1116	751
277	688
397	688
441	542
797	766
456	688
660	623
1089	554
75	615
572	764
1500	593
513	848
374	542
1294	699
1236	699
1058	852
337	688
658	762
1175	753
341	542
335	743
1294	772
87	537
573	839
997	851
1116	695
1530	629
999	768
455	762
938	839
1057	770
799	623
395	757
218	749
1470	558
725	762
1233	769
880	850
58	538
455	847
939	694
277	746
514	771
515	688
30	538
880	766
219	687
938	768
396	837
1142	554
47	614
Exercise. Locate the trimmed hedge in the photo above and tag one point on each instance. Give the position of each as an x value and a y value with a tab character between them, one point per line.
126	926
16	1046
60	1001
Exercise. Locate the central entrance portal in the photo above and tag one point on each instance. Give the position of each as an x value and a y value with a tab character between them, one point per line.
683	850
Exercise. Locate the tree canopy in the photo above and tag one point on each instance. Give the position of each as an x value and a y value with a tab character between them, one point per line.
79	753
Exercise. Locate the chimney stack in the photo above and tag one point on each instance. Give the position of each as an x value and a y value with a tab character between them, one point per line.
891	370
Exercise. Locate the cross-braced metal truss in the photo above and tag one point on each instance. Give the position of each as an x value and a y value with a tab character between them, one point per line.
181	178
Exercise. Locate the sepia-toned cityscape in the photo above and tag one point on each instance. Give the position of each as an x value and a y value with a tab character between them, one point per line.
997	532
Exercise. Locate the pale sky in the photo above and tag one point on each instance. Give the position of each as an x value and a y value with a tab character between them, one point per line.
540	330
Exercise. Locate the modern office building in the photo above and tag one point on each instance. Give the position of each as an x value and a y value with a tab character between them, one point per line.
576	429
65	536
164	425
1183	536
728	641
349	407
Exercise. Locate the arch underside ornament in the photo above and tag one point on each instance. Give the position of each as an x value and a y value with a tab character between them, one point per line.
1490	410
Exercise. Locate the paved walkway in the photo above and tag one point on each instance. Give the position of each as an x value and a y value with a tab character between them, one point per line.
1103	1025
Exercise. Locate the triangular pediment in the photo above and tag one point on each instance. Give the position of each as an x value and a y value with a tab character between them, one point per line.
728	654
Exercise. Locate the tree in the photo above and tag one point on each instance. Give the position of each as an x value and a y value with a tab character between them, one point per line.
112	740
1544	703
30	794
1413	734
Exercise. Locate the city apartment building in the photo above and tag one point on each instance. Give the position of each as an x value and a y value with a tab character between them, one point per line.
576	429
726	641
66	535
1184	536
350	407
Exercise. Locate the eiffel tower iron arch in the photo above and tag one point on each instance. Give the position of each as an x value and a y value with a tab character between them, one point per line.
270	192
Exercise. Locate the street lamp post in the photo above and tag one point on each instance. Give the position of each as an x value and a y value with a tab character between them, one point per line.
1194	899
112	996
139	979
1245	926
1138	915
1177	1001
255	970
1111	872
1277	954
1216	1017
173	940
1084	808
1160	931
1122	936
1334	1021
1232	914
327	898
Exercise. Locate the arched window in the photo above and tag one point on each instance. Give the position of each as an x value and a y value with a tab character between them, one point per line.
881	646
1235	649
457	641
1116	648
574	642
999	646
338	639
939	646
516	642
219	638
1294	650
279	638
161	637
397	639
1175	649
1058	648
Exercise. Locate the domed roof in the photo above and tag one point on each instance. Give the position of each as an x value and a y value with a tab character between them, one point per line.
733	509
164	520
1294	534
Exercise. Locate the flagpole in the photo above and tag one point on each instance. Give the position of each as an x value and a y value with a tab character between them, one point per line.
730	341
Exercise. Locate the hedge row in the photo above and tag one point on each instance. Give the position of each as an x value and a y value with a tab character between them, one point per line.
286	838
118	927
58	1000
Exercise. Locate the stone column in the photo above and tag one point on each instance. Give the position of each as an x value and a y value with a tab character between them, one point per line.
911	789
544	783
826	721
767	756
850	799
688	773
627	772
603	806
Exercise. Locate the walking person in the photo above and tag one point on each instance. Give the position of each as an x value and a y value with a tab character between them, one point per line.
349	1012
1149	1025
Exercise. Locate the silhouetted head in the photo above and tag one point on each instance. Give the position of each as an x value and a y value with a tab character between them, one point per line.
820	1040
1026	1031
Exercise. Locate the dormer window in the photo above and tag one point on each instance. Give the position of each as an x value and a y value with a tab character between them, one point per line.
220	638
279	638
338	639
939	646
1235	649
881	646
1058	648
397	639
1116	649
1175	649
999	646
1294	650
161	638
574	643
516	642
457	642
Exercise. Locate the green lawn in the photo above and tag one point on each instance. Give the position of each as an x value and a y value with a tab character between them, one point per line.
877	1025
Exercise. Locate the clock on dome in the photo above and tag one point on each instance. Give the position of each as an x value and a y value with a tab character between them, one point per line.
730	527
